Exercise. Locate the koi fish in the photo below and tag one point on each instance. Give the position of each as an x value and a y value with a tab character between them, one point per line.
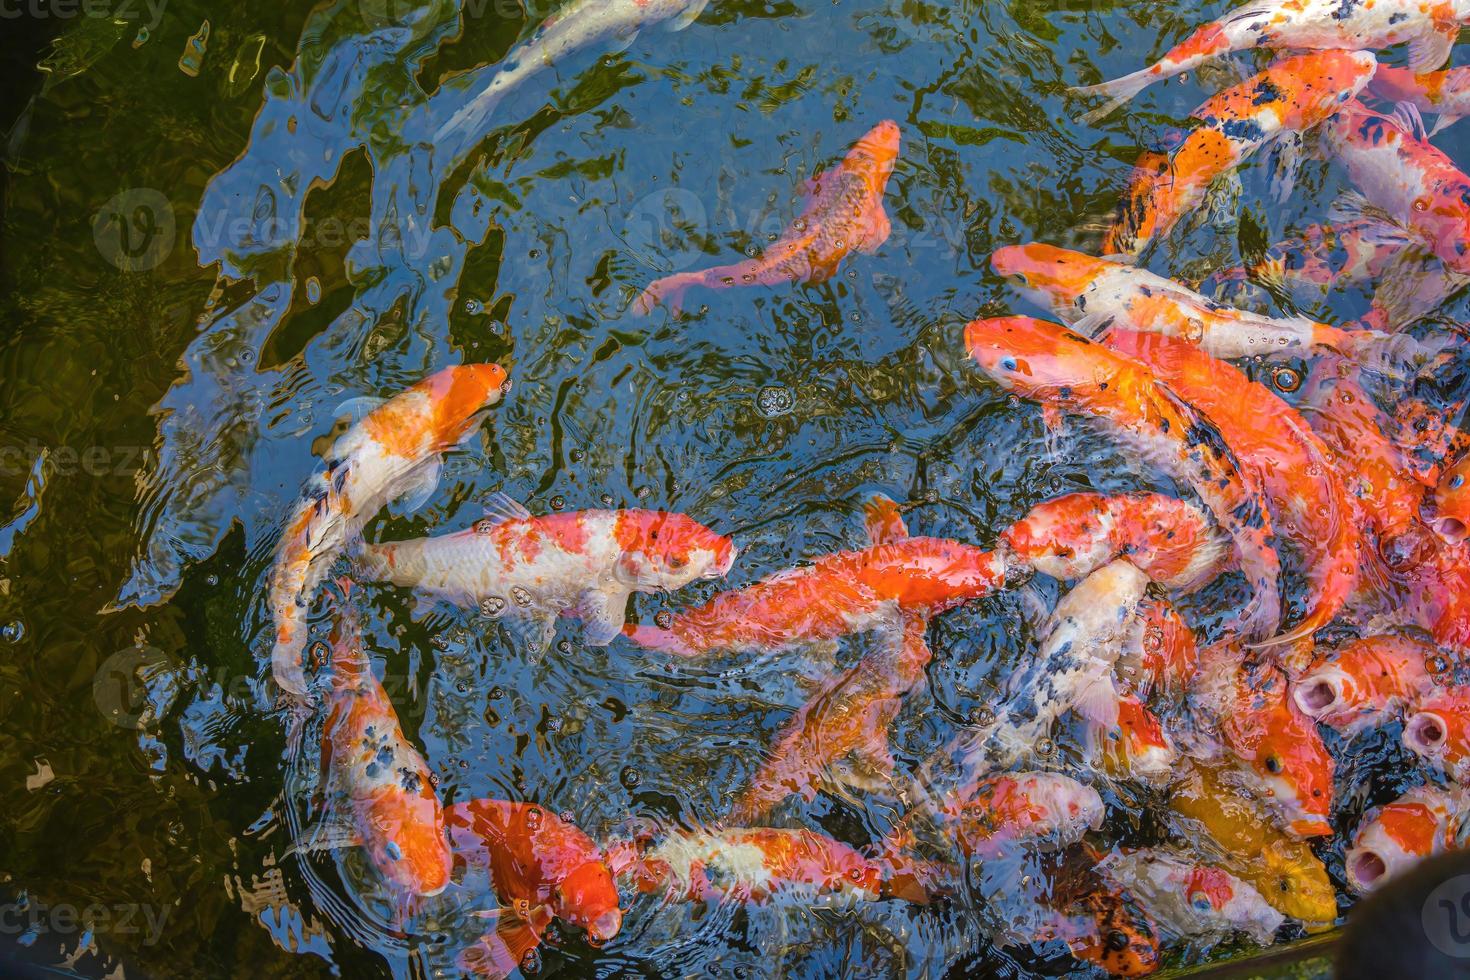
1255	726
542	868
1101	923
393	451
1425	821
1287	874
1451	503
1091	294
1072	670
1161	655
1429	29
580	24
1445	93
393	809
1438	731
1305	495
1068	372
533	569
763	864
1189	900
843	215
1003	813
1403	178
1366	683
1292	96
1135	746
1171	541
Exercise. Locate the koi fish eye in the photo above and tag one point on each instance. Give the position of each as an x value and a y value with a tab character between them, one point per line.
1457	481
1007	363
1117	941
1201	902
394	851
677	562
1421	204
1273	765
1062	551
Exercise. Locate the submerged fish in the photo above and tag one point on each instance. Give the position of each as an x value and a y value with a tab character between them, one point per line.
1190	900
542	868
1249	721
393	811
1446	93
1135	746
1366	683
1425	821
1003	813
533	569
395	450
1292	96
1161	654
1092	294
578	25
844	215
1068	372
1288	875
1306	497
1438	731
1168	539
1101	923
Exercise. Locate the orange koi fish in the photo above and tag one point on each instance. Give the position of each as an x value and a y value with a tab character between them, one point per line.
1189	900
1429	29
1068	372
393	810
1161	655
1445	93
1438	731
1404	180
1171	541
1305	495
1292	96
534	569
1011	811
1366	683
1451	503
1092	294
1425	821
543	868
1135	746
844	215
764	864
395	450
1275	747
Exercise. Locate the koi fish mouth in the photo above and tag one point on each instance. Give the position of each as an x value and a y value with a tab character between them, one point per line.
1318	696
1365	869
1451	529
1311	827
1425	734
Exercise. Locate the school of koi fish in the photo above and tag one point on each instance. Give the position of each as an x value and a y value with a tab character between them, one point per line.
1227	725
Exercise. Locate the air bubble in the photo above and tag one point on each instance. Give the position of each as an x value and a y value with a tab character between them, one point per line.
664	619
12	632
521	595
492	606
630	777
774	401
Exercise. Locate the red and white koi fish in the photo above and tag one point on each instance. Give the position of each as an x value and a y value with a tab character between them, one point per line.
533	569
1170	540
393	811
1091	294
1438	731
1366	683
1305	495
1188	900
763	864
1253	724
1072	670
395	450
1403	179
844	215
543	868
1292	96
1068	372
1008	812
1430	29
1445	93
1425	821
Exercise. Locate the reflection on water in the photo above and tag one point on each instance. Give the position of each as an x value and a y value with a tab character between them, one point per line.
227	227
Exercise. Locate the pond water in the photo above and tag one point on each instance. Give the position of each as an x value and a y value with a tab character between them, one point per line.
226	226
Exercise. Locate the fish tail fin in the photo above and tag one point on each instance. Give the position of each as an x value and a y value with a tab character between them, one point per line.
668	291
1117	92
1395	355
500	953
1445	121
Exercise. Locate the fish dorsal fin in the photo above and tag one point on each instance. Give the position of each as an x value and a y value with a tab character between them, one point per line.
1431	49
688	15
884	521
502	508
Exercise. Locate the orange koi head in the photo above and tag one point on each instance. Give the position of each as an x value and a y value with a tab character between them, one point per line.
1285	757
668	551
588	898
404	836
875	154
1048	274
1041	360
1439	731
1452	503
459	395
1065	538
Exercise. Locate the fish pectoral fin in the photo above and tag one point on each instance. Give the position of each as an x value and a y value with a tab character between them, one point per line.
1431	49
1445	121
328	834
689	15
603	612
623	40
414	489
1289	151
1407	115
501	953
1098	703
502	508
877	228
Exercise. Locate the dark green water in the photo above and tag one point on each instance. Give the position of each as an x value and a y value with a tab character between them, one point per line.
176	347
